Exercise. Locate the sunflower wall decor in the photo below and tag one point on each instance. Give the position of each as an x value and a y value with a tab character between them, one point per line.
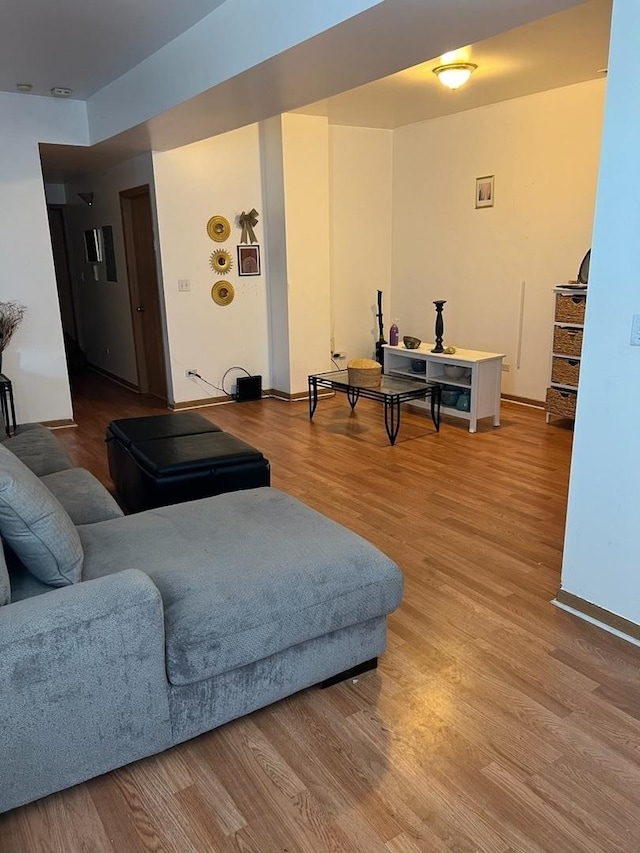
221	261
218	228
222	293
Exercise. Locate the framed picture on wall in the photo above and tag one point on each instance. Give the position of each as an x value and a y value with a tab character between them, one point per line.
248	260
485	191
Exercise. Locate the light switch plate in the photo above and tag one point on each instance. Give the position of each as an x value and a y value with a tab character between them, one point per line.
635	331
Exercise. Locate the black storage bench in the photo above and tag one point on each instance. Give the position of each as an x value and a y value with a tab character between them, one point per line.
165	459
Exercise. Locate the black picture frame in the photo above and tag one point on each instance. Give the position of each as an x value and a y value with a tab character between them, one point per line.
249	260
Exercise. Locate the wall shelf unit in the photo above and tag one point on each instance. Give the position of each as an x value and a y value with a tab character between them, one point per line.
482	377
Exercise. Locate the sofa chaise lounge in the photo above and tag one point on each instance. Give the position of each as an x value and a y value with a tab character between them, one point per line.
121	636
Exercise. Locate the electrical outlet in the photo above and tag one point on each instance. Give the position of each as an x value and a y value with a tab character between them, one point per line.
192	373
184	285
635	331
338	355
506	367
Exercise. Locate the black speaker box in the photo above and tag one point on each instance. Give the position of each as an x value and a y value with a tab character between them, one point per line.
248	388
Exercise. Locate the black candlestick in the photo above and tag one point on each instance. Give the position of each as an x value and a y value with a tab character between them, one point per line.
439	303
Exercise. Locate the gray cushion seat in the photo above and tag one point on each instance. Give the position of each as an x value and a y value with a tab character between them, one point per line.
244	576
39	449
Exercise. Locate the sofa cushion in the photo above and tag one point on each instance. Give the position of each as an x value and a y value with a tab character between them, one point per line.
5	585
38	448
82	495
245	575
36	525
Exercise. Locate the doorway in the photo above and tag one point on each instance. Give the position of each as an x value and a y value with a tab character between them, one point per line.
137	226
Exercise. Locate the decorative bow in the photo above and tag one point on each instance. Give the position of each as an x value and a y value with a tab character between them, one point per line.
247	222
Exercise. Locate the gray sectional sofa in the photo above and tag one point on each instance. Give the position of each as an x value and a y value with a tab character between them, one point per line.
121	636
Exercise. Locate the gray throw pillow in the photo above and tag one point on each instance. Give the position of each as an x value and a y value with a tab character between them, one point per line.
5	585
36	525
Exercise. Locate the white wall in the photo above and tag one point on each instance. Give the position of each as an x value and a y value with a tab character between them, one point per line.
306	201
601	550
103	307
361	233
35	358
275	234
216	176
543	150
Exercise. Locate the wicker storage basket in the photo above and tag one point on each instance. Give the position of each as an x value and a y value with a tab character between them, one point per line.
570	307
565	371
567	341
561	402
364	372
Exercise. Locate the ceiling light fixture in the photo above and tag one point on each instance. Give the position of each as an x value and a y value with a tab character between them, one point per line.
24	87
61	92
87	198
455	74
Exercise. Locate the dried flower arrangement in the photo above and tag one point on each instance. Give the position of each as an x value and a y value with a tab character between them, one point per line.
11	314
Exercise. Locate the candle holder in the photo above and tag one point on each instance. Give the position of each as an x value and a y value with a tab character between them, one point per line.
439	303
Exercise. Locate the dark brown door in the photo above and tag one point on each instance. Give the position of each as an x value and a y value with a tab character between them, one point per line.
61	264
137	225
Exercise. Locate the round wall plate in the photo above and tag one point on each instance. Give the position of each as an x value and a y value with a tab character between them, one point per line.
221	261
222	293
218	229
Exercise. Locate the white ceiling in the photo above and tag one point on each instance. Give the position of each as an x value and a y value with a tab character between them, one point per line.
84	44
564	48
559	50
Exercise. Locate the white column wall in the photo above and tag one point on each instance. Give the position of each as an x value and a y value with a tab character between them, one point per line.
306	199
361	232
275	251
601	552
35	358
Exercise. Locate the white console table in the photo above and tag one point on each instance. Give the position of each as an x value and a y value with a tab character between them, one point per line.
483	383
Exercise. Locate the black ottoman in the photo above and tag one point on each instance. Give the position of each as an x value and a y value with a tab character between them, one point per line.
166	459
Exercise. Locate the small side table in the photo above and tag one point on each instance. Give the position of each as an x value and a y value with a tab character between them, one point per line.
7	405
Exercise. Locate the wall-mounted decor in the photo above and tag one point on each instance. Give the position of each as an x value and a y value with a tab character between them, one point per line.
93	246
248	260
485	190
109	253
248	222
222	293
221	261
218	229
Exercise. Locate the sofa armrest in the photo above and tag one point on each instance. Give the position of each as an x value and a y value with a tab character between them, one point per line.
82	684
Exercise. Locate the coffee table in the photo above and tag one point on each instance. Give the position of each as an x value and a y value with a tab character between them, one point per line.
392	391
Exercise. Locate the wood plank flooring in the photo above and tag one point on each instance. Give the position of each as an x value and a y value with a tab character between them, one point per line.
495	722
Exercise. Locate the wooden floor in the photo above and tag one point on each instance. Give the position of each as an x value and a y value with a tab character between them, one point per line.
495	722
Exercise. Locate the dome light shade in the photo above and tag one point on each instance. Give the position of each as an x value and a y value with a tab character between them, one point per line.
455	74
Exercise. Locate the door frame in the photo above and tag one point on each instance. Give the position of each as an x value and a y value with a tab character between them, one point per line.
134	290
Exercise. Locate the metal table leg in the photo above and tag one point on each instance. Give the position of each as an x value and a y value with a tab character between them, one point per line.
392	417
436	397
13	409
313	395
4	407
353	395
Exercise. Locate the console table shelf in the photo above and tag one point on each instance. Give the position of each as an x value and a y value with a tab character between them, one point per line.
483	379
